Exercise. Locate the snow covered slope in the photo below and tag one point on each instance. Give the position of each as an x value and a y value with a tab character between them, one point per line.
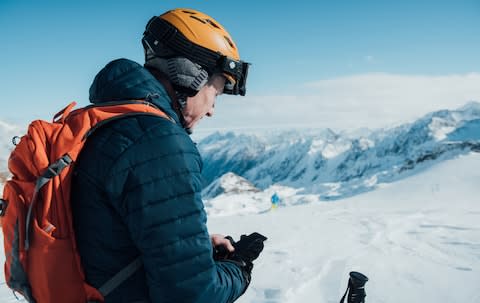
418	240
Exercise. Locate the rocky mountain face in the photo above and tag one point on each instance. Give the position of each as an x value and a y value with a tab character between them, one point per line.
336	165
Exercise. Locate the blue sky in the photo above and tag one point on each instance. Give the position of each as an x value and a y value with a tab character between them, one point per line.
51	50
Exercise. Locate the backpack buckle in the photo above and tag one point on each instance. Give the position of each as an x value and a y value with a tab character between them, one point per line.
3	207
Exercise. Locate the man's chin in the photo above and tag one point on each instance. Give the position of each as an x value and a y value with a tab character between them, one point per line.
192	124
188	125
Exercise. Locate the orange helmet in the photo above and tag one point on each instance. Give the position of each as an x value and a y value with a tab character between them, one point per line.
198	37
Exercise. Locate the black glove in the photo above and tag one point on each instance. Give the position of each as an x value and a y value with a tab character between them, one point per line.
247	249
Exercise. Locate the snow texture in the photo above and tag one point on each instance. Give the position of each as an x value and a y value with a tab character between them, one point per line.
418	240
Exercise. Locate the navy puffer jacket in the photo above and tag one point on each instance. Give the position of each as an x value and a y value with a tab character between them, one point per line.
136	192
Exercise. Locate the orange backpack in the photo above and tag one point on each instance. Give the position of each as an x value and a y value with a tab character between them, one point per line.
42	261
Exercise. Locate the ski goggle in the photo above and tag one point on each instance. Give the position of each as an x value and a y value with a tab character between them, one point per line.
236	73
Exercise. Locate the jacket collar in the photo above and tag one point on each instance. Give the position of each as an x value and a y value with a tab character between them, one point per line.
123	79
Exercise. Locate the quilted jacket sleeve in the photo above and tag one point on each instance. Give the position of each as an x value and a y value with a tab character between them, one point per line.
155	186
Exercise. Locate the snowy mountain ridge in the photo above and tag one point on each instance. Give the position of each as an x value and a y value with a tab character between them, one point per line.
230	184
337	165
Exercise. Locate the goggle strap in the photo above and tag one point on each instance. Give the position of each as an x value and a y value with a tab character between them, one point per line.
164	32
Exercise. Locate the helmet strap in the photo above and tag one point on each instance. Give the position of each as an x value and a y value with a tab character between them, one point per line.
179	100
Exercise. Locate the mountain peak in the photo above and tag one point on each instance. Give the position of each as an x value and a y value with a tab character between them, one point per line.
229	183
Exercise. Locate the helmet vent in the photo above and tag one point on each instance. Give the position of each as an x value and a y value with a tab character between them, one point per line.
212	23
198	19
229	41
206	21
189	12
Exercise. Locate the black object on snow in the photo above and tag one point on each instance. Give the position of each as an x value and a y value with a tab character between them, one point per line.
355	288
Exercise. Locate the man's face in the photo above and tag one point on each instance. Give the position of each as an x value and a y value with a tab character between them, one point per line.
203	102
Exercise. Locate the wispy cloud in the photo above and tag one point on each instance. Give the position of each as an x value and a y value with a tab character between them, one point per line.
368	100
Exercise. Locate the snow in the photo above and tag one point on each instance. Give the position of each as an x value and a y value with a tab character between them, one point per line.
417	237
418	240
440	129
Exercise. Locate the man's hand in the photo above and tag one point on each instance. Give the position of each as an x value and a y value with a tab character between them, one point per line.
222	246
248	248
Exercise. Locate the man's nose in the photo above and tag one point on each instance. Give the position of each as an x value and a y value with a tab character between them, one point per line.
210	112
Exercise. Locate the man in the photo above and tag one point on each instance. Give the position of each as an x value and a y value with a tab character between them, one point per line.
136	190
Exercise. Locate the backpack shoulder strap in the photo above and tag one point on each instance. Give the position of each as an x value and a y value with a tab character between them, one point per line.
120	277
126	108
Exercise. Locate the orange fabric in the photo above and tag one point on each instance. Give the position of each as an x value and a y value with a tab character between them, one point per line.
52	263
